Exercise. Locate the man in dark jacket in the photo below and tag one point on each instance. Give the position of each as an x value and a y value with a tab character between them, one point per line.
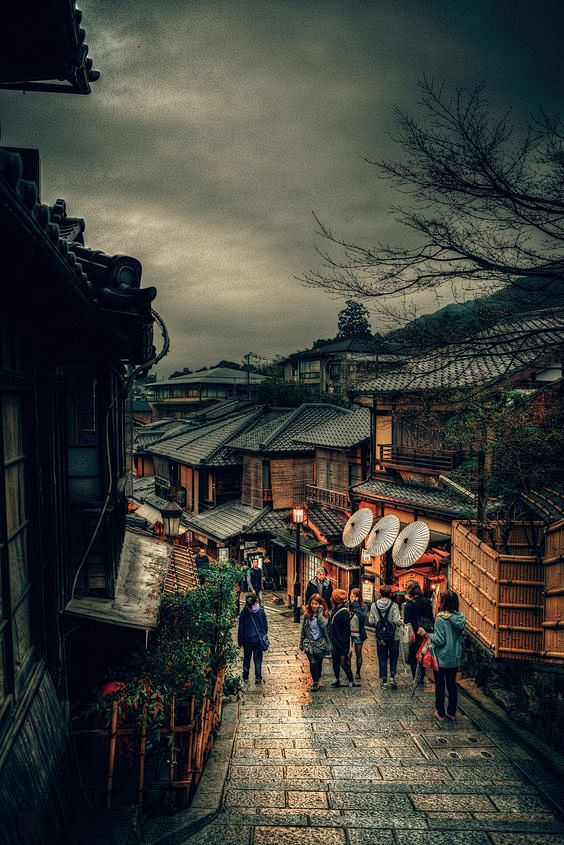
252	636
320	584
254	579
418	613
202	562
340	636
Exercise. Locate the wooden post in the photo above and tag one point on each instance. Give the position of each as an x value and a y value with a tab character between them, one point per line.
172	744
112	754
142	748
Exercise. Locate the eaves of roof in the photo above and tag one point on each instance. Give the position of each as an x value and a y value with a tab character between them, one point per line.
422	499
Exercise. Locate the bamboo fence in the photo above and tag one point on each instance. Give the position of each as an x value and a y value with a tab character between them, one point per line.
514	602
188	743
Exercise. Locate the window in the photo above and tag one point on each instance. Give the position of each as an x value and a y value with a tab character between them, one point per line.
15	587
311	565
309	370
83	454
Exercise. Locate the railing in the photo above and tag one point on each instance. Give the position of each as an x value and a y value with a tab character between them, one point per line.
513	602
124	761
430	460
333	498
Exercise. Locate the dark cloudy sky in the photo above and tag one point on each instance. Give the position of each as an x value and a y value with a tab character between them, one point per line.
217	127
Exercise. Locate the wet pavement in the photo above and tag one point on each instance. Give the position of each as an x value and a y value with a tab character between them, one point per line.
363	766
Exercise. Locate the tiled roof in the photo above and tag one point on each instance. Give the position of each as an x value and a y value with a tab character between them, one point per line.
216	375
342	432
330	523
421	498
547	502
225	521
271	522
42	45
490	356
145	435
203	443
281	435
91	288
262	431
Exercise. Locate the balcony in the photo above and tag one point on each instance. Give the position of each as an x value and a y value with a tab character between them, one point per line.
321	496
420	460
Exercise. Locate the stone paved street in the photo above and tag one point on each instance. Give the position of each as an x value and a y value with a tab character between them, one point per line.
366	766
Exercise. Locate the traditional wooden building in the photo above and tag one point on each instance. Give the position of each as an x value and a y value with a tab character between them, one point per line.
411	407
179	397
73	322
334	367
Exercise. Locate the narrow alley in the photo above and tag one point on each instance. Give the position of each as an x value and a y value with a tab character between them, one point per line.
363	766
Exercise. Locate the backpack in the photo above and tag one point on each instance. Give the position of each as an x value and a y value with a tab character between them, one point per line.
385	630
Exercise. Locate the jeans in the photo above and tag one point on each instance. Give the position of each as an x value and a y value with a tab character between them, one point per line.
253	650
315	667
413	649
387	651
342	661
447	676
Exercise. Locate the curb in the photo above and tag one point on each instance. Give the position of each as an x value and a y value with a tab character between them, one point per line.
210	796
549	783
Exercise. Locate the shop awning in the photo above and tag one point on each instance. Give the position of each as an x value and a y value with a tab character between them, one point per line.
142	571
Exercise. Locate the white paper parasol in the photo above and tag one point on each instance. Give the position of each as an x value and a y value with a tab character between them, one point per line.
411	544
357	527
383	534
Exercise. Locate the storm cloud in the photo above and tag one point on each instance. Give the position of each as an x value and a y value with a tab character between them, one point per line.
218	127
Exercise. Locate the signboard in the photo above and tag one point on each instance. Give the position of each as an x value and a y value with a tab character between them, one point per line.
223	554
365	556
368	592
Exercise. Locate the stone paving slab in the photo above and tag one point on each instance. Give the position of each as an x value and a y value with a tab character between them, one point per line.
366	766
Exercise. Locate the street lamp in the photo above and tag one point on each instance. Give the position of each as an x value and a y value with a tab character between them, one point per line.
171	513
298	518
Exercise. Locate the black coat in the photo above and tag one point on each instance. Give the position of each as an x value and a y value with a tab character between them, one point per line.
415	611
252	626
340	630
325	592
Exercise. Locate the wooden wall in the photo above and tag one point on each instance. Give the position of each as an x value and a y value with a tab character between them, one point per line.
288	476
251	492
332	469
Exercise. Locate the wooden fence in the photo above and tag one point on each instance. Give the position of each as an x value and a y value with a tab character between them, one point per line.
514	603
183	744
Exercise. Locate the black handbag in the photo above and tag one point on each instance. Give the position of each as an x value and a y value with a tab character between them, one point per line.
263	638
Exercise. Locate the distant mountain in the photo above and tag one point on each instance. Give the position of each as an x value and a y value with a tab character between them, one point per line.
462	319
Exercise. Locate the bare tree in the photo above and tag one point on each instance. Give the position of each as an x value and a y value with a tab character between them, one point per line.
486	206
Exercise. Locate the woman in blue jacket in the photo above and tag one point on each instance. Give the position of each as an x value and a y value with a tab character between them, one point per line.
252	635
447	643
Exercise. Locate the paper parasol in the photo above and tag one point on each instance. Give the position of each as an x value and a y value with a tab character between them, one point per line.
357	527
411	544
382	536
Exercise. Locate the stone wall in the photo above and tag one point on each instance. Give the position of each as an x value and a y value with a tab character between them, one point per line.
531	693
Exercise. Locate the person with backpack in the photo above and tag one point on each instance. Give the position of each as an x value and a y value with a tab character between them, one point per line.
447	644
418	612
340	636
358	611
385	616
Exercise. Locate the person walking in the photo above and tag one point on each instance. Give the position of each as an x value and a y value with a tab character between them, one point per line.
340	636
418	612
358	611
314	639
385	616
321	585
254	579
202	562
252	636
447	644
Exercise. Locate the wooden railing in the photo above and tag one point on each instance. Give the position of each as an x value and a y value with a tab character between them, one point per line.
172	765
513	602
333	498
430	460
